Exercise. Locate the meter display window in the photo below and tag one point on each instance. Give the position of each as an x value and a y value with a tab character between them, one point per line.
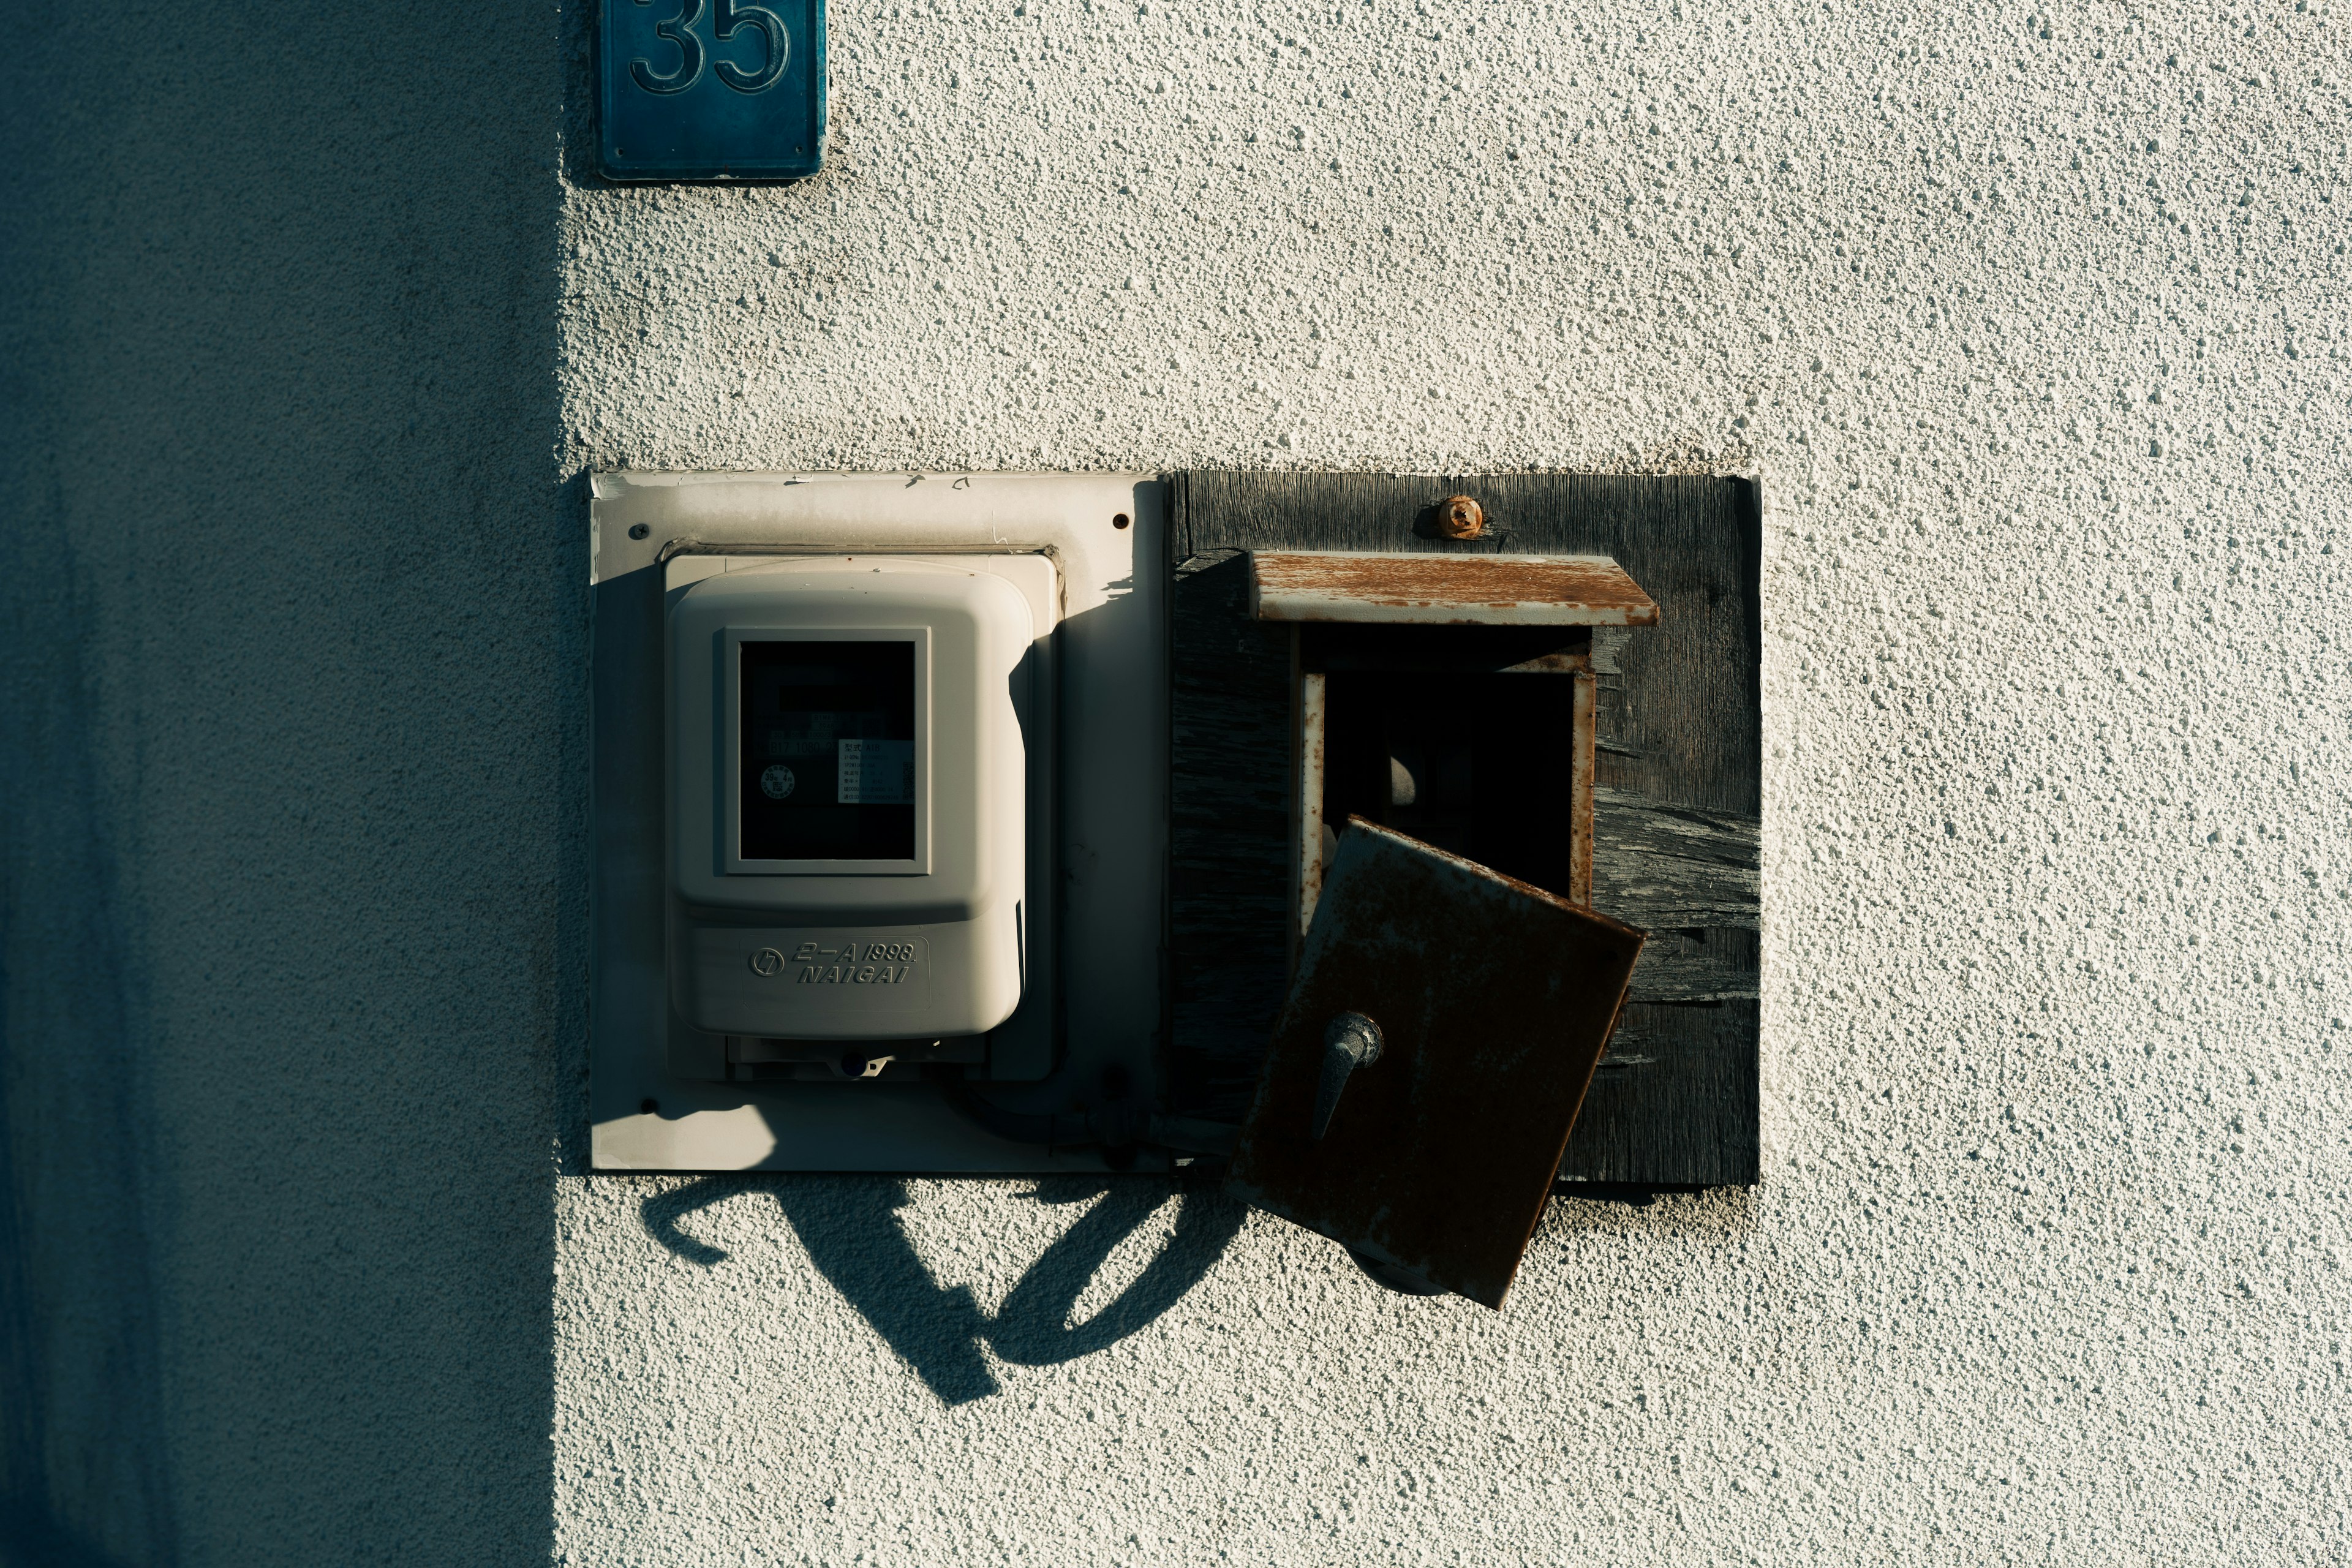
827	751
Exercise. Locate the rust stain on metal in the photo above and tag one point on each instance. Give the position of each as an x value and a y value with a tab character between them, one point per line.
1430	589
1584	707
1313	709
1461	517
1548	664
1496	1000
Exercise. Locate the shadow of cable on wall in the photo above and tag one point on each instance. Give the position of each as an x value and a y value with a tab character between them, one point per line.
850	1228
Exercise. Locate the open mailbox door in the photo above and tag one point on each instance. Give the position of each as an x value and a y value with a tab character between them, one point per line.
1424	1073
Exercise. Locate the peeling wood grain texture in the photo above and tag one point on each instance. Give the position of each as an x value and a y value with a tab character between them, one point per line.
1229	824
1693	878
1451	589
1678	769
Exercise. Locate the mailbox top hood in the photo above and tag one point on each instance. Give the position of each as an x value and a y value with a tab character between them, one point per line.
1427	588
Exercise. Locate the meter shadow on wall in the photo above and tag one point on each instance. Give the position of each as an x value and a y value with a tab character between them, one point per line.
850	1228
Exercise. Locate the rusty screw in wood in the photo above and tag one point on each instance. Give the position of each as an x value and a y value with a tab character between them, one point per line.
1459	516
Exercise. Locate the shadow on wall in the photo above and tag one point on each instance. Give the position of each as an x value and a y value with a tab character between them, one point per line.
84	1477
292	885
851	1229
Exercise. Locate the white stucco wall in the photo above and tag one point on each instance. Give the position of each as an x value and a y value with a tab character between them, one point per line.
2036	322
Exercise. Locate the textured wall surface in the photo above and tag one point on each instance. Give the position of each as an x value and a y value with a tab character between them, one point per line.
2035	322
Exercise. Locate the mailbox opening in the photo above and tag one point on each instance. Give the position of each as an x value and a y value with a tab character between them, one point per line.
1449	698
1476	752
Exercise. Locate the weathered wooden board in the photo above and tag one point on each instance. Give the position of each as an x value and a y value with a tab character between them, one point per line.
1678	771
1422	588
1229	829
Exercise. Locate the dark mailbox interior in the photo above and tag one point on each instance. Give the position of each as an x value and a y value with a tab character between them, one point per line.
1461	737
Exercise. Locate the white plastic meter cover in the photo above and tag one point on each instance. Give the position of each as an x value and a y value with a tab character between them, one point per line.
846	798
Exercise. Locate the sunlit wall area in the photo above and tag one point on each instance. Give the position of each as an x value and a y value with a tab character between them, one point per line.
2035	327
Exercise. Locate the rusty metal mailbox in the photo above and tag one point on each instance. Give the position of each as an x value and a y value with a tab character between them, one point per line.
1444	718
1553	676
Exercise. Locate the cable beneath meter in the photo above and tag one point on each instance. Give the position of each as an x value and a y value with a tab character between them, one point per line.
1059	1129
1113	1127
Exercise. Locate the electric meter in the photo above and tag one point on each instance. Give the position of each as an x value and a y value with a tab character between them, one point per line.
847	798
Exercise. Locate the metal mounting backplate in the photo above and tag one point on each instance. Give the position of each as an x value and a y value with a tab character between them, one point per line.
1111	800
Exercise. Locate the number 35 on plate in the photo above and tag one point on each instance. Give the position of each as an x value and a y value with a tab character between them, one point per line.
711	90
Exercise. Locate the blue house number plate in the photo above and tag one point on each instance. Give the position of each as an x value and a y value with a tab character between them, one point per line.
711	90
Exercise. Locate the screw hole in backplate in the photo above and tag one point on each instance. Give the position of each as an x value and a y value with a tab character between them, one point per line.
1118	520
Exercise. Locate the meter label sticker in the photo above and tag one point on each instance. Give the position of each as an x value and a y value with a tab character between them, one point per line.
875	773
777	781
898	963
